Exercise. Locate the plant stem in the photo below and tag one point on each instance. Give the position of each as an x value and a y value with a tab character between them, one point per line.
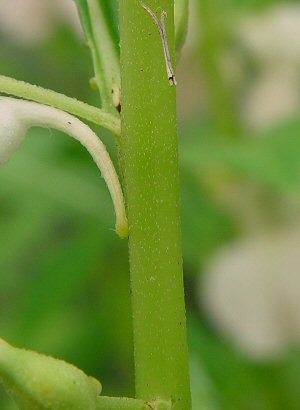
48	97
17	116
106	60
150	165
124	403
120	403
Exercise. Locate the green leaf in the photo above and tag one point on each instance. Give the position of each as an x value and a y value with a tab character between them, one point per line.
38	382
271	159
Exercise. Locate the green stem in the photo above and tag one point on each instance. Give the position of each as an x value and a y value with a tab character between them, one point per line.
71	105
106	60
120	403
150	165
124	403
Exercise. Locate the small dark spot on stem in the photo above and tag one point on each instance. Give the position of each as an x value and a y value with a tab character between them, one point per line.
172	80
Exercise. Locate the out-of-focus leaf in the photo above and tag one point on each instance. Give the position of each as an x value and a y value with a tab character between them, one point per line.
55	246
47	294
252	4
205	225
181	17
271	160
56	219
240	384
204	395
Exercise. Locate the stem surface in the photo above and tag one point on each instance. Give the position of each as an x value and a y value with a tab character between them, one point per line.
120	403
150	165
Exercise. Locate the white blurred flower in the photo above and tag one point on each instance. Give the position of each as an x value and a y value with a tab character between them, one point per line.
273	41
274	35
272	98
251	292
29	22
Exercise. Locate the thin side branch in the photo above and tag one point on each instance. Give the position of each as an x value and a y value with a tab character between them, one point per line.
17	116
41	95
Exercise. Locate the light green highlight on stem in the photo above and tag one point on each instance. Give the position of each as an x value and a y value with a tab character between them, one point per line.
120	403
41	95
150	165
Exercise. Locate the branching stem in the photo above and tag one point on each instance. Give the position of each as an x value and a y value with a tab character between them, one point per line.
17	116
48	97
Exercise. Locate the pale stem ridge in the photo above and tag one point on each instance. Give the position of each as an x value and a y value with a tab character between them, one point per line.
17	116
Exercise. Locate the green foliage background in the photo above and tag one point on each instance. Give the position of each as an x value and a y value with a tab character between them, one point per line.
63	271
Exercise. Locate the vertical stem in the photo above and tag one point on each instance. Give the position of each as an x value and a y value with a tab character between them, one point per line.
106	60
150	165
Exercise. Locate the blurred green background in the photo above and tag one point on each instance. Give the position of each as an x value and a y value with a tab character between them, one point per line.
63	271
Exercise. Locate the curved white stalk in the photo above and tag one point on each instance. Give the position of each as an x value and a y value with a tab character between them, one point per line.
17	116
21	89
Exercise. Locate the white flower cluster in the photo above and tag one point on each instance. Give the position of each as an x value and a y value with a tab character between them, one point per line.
17	17
251	292
272	40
